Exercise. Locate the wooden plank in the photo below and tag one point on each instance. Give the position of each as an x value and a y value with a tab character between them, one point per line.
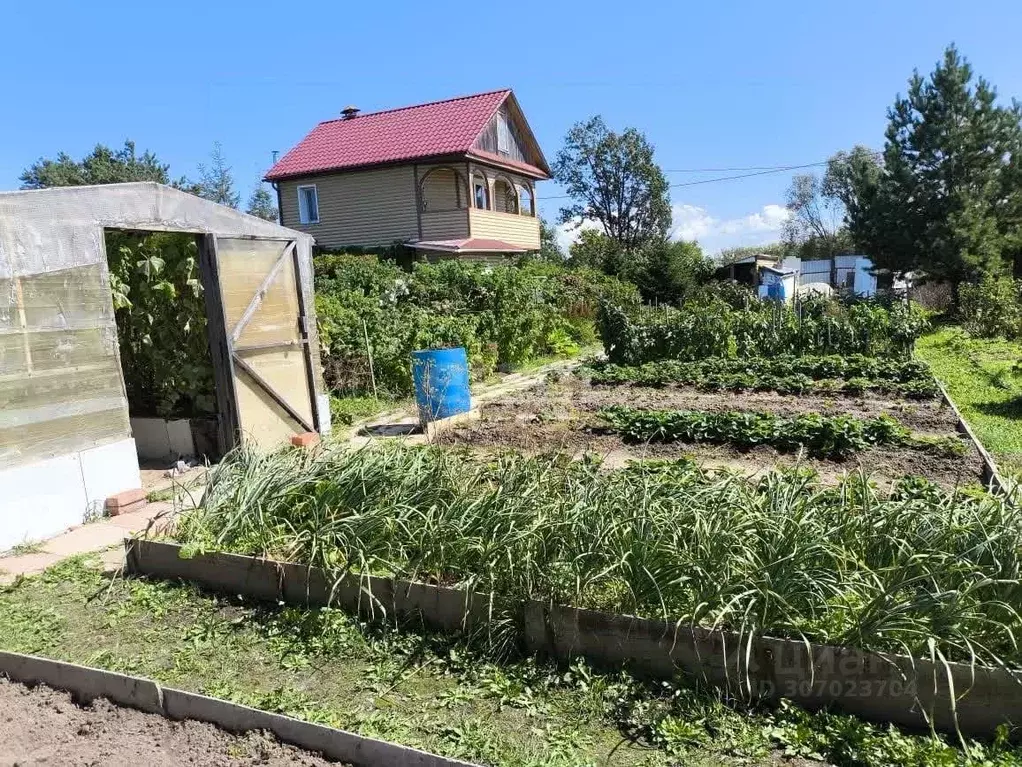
303	331
273	345
257	299
274	394
418	197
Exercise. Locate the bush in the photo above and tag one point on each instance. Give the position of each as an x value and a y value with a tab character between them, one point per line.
710	326
505	315
992	308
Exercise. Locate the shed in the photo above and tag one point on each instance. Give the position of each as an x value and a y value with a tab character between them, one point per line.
777	283
65	436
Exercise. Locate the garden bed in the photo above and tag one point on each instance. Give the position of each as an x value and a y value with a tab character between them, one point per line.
564	415
41	725
411	687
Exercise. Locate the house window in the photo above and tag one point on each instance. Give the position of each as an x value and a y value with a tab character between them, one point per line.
481	192
527	201
503	135
308	204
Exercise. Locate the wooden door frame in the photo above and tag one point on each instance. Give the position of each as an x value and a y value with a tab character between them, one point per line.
228	418
226	355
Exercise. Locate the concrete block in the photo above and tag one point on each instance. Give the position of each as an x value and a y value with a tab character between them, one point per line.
305	439
435	429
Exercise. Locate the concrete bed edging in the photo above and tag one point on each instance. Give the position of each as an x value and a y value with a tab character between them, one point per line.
991	477
86	684
883	688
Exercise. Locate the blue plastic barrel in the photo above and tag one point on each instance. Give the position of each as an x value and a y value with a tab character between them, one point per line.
441	383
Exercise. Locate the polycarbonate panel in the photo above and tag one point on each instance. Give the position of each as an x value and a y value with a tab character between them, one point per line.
60	381
269	341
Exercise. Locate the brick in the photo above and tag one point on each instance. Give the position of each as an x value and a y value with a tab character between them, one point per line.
126	501
306	439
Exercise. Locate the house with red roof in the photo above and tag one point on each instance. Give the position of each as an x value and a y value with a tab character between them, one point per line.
455	178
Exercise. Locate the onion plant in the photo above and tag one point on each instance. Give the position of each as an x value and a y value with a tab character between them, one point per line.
882	569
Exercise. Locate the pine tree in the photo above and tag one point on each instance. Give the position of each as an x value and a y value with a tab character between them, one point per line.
260	204
943	203
216	181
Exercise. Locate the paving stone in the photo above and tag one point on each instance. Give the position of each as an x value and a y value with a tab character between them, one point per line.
90	537
27	564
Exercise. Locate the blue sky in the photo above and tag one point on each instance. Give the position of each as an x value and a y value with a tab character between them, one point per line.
713	85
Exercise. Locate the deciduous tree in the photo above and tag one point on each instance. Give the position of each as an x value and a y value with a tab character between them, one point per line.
613	180
814	229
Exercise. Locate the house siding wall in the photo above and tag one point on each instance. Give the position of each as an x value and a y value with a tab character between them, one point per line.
445	225
362	208
522	231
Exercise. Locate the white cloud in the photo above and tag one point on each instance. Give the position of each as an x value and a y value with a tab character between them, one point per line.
568	233
692	222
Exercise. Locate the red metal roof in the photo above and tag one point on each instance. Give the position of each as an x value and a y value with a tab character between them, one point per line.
438	128
471	244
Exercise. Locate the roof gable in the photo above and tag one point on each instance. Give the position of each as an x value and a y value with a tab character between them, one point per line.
427	130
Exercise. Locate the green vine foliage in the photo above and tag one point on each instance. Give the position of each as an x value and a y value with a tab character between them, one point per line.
161	323
711	325
371	309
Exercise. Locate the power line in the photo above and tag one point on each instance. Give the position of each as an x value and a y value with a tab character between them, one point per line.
777	169
732	170
762	171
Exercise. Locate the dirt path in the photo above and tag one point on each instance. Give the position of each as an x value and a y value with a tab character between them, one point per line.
561	416
43	726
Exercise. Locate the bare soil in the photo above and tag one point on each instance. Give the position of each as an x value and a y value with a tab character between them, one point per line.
41	726
561	416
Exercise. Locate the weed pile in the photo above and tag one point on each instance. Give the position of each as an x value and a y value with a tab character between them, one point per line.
885	570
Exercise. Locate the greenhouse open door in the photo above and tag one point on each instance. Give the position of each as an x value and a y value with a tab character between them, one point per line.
262	359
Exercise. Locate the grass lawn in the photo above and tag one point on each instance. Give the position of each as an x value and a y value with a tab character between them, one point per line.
424	690
984	378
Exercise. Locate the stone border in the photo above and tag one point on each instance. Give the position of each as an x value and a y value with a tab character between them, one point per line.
87	684
882	688
991	477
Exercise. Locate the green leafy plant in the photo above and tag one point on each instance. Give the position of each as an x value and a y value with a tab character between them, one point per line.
709	326
372	315
851	374
820	435
161	323
781	554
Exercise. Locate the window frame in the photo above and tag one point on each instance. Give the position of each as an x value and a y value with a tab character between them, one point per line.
303	214
480	181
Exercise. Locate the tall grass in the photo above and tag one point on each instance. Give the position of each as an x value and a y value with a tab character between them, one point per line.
783	555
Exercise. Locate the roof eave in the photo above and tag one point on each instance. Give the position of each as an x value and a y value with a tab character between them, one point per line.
431	158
